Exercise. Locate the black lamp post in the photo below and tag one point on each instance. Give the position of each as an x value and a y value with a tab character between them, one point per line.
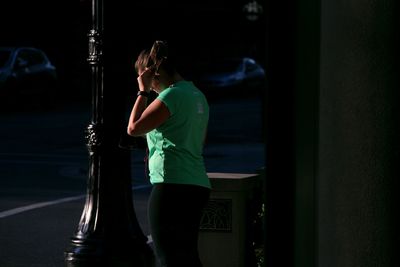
108	233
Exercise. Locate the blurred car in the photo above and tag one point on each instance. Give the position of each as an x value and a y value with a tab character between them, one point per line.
234	73
26	75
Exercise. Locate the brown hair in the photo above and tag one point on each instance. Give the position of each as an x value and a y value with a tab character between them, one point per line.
142	60
156	57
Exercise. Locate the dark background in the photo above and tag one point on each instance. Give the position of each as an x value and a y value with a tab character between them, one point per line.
42	153
196	30
336	202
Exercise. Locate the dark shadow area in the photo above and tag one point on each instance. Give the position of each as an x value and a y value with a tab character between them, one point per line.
43	153
199	31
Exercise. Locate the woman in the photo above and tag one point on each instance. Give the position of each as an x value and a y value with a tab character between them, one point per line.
175	125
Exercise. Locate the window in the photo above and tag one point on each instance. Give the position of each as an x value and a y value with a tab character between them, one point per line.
31	57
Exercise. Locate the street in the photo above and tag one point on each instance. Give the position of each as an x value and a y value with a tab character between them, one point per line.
43	173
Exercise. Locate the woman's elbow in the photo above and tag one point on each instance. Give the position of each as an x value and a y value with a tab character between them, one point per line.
133	131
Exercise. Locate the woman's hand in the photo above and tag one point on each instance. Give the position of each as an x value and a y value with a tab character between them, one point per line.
145	79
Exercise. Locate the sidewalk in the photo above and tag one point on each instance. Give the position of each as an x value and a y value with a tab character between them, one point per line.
39	237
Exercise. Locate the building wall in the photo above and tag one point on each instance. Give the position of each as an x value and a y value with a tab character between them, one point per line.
358	135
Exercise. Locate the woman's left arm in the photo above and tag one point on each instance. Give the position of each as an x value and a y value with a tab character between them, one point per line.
142	120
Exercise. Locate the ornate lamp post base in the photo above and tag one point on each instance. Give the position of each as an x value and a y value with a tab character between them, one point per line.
108	234
86	253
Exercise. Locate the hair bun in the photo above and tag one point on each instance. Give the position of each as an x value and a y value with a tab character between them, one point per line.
159	51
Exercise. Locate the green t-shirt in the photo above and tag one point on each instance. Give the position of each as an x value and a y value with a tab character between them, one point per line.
176	147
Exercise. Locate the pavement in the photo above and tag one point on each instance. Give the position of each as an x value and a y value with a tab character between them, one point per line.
38	231
38	234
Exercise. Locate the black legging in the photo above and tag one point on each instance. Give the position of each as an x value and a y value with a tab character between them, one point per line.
174	216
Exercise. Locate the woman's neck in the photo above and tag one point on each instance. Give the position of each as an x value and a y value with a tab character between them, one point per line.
171	80
167	80
174	79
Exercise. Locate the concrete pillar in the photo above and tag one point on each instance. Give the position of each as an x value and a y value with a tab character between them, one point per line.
358	172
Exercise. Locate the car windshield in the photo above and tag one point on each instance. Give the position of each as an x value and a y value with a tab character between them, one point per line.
4	57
